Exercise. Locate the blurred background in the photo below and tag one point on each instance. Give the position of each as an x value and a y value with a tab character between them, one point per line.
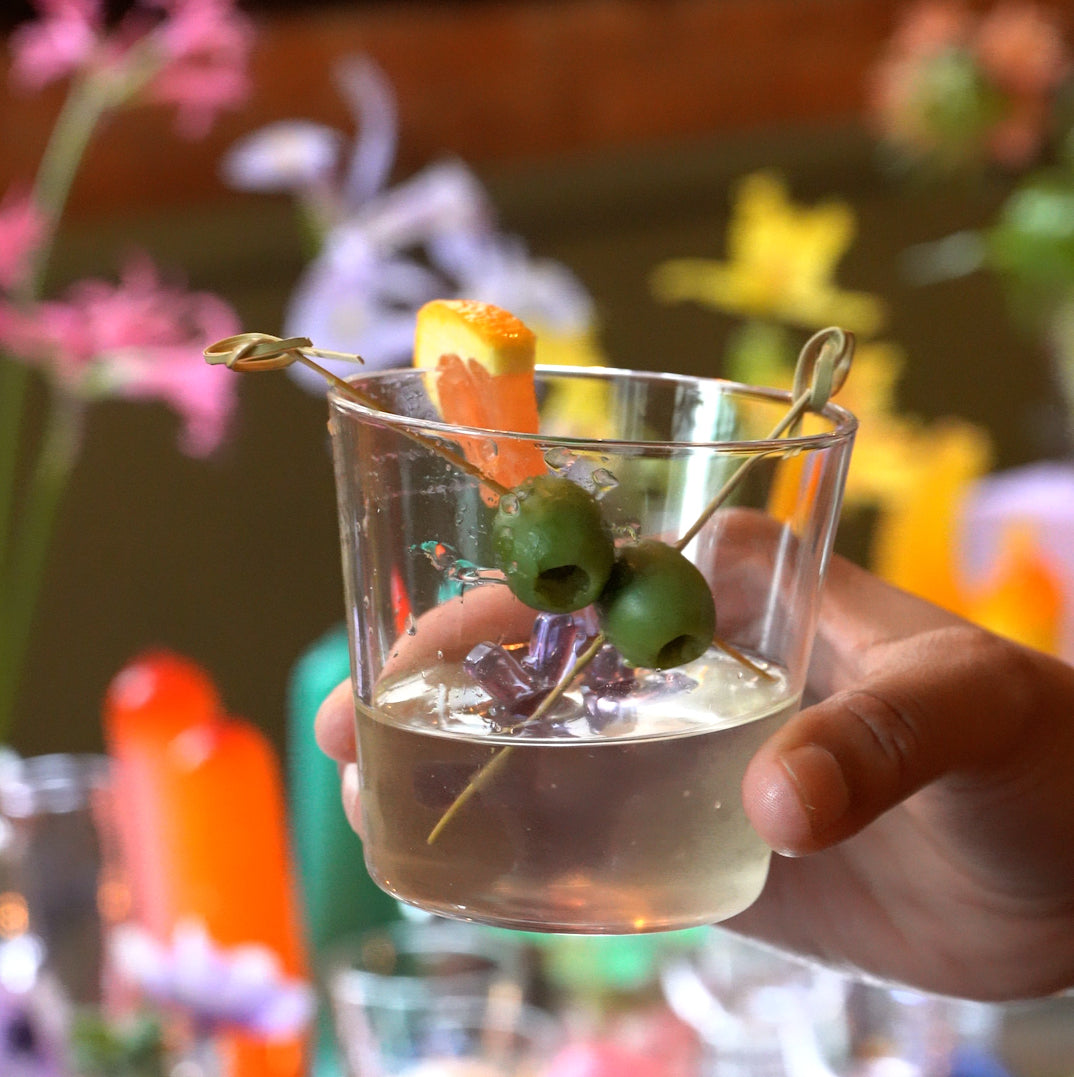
682	185
610	136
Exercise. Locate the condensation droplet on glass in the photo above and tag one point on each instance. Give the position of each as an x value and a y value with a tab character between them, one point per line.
439	555
603	480
465	572
509	504
440	656
717	805
411	625
630	530
490	449
558	457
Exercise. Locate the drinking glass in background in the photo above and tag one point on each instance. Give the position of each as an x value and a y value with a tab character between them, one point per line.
617	808
438	999
61	884
63	891
761	1011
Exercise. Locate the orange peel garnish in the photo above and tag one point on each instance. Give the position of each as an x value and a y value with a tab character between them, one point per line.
482	358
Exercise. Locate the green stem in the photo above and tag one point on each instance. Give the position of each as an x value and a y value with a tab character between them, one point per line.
14	377
24	538
29	548
86	102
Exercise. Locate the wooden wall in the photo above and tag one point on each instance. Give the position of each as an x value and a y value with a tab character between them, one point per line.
508	81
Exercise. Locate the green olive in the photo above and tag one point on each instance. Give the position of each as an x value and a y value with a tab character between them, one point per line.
656	608
551	544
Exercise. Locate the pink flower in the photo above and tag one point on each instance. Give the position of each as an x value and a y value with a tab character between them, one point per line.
1015	141
141	340
931	27
205	45
1021	48
201	47
21	228
959	89
900	90
58	43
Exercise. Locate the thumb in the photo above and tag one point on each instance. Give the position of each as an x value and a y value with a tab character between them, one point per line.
949	699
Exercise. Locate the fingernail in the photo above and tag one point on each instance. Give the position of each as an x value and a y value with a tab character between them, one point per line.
348	780
819	786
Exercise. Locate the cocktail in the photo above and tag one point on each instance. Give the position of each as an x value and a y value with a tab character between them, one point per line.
567	644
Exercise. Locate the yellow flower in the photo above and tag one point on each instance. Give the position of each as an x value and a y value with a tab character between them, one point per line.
574	407
912	544
890	449
915	548
781	262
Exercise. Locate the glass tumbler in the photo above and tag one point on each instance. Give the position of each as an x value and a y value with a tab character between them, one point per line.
435	997
546	770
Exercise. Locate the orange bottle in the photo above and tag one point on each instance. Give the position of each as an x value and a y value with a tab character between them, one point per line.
204	817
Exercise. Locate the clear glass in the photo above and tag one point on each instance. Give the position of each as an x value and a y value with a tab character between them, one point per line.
758	1010
407	961
61	884
619	810
435	997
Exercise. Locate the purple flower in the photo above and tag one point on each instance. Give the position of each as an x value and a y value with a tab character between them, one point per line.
387	250
240	987
298	156
1039	499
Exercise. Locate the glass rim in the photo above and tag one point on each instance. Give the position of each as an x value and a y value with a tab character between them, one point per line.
344	961
52	784
844	422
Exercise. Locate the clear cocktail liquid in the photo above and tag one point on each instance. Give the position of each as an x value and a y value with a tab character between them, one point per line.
608	816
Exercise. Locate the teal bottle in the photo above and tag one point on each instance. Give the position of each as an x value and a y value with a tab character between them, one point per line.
338	896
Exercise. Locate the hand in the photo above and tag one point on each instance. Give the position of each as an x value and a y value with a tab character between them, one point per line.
450	629
924	807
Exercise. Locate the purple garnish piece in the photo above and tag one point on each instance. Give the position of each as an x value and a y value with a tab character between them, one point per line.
608	668
670	683
555	641
545	638
508	714
610	688
500	674
606	703
618	700
588	621
517	717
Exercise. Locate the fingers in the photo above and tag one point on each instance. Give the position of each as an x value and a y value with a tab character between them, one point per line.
858	613
949	700
333	726
448	631
349	794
